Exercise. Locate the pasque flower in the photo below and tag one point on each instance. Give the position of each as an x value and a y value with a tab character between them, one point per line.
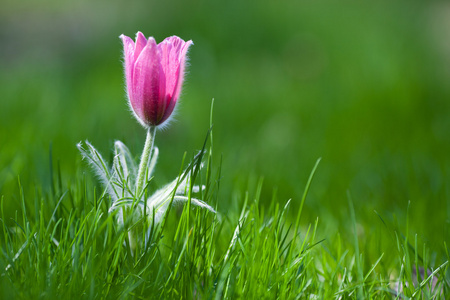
154	76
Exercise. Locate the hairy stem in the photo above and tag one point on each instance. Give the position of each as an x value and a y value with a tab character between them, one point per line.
145	158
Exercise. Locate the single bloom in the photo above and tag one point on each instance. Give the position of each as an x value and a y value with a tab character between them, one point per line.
154	76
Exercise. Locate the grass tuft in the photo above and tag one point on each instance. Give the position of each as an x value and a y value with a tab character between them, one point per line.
64	243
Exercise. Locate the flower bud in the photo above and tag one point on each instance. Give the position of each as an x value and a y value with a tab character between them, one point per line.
154	76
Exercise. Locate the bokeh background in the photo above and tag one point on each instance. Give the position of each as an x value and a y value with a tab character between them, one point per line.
363	85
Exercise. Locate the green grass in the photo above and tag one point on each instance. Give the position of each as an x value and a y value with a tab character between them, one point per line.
63	243
364	86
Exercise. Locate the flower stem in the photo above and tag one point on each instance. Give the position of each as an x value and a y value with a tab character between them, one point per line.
145	158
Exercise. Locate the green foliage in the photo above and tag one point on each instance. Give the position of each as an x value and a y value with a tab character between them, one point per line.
66	245
362	85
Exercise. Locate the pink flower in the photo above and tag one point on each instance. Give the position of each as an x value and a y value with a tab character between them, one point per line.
154	75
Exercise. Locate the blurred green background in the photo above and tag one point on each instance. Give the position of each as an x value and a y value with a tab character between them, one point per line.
363	85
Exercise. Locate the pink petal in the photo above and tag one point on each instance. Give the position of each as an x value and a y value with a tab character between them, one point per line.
148	83
173	57
128	49
183	58
141	41
170	61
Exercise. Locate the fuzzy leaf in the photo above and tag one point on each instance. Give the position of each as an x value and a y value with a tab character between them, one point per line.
100	167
